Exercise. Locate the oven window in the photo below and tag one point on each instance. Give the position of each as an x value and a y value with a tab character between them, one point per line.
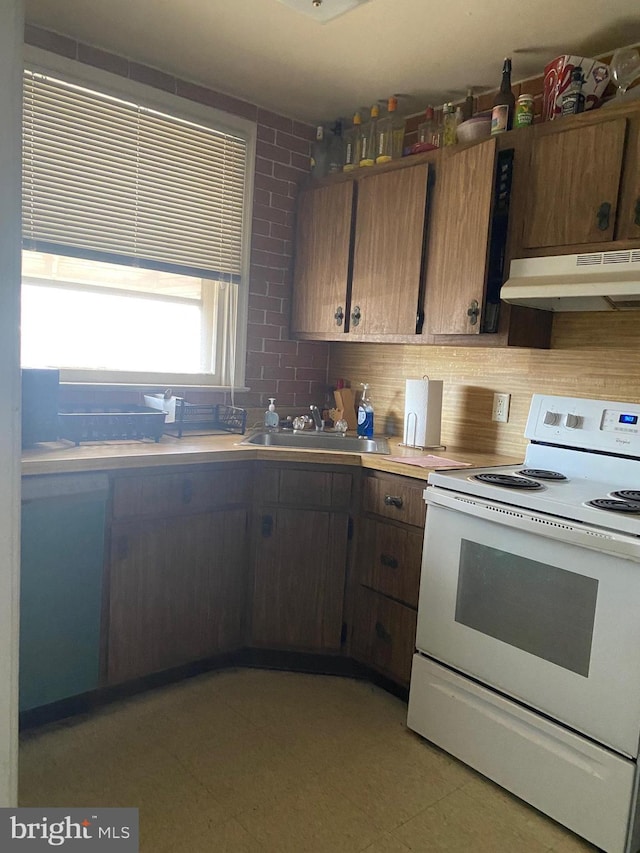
535	607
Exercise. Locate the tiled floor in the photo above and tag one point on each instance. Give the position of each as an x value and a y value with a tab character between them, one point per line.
254	760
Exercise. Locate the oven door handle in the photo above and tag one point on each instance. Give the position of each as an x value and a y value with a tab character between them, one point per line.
540	524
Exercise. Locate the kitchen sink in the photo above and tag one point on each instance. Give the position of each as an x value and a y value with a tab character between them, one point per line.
319	441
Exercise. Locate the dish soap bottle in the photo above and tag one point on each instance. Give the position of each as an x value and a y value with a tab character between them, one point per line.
271	418
365	413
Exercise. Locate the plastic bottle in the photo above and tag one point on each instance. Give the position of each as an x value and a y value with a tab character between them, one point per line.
353	145
467	108
369	139
271	418
449	126
390	134
429	130
365	413
320	154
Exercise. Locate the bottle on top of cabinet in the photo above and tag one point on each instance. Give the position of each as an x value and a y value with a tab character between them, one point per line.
390	134
429	130
320	153
370	138
503	103
467	107
449	125
573	98
353	144
336	149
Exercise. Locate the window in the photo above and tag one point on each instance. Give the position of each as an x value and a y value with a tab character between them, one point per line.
136	213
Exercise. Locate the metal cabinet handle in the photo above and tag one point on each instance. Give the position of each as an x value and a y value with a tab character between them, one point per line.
636	212
393	500
382	633
473	312
603	214
339	315
388	561
267	526
187	491
356	314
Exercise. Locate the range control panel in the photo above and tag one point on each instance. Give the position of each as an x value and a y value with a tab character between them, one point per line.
603	425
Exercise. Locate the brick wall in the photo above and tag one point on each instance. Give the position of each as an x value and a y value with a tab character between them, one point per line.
293	372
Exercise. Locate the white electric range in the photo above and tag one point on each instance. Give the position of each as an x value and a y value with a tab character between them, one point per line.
528	639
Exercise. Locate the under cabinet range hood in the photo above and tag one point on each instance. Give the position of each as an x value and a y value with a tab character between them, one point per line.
597	281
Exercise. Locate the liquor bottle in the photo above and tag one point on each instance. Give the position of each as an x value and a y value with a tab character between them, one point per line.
369	139
320	154
449	126
429	130
353	145
336	148
503	103
573	98
390	134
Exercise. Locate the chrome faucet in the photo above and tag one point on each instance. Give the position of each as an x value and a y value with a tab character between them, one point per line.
315	414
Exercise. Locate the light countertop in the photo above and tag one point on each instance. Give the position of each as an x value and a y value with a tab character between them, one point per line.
62	457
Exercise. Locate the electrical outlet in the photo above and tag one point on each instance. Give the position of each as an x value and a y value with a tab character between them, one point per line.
500	411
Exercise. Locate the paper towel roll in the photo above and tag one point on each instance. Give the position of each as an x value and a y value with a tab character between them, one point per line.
422	412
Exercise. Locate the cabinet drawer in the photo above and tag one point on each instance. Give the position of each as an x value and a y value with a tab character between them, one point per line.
305	486
390	557
176	493
399	498
384	634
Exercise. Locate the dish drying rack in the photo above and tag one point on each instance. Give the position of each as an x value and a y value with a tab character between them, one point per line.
182	416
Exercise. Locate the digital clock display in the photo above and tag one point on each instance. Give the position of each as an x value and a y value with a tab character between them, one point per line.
628	419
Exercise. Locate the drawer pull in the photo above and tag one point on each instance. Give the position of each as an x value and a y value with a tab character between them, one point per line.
393	500
382	633
187	491
389	562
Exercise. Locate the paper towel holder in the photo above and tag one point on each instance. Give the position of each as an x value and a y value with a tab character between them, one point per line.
411	426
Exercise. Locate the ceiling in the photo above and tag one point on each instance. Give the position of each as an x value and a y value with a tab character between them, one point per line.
268	53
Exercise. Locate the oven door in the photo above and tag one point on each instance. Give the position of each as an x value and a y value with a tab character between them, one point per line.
509	598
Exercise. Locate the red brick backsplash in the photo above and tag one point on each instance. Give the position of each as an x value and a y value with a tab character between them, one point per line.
295	373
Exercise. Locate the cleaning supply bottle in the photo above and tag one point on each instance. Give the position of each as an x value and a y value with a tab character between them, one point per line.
365	413
271	418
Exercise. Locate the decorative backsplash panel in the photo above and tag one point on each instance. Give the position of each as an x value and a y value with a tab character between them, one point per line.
593	355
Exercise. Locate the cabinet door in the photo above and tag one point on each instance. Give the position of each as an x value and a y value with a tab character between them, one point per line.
458	246
177	591
387	263
384	634
628	221
323	239
573	186
299	577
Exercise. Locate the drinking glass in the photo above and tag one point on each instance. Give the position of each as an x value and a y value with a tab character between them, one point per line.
625	68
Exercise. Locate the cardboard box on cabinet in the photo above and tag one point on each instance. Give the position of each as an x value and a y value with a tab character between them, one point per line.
557	78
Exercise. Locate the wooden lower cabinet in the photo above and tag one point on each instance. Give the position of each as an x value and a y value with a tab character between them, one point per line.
301	548
384	634
176	591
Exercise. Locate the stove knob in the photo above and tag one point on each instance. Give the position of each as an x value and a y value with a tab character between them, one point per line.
573	422
551	418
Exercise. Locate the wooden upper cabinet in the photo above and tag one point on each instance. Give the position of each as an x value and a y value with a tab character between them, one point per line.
458	244
387	263
628	224
323	239
574	181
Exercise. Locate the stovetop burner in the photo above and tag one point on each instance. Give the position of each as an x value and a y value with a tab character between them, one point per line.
541	474
627	495
615	505
509	480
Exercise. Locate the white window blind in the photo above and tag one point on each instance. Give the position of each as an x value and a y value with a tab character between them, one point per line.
113	180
